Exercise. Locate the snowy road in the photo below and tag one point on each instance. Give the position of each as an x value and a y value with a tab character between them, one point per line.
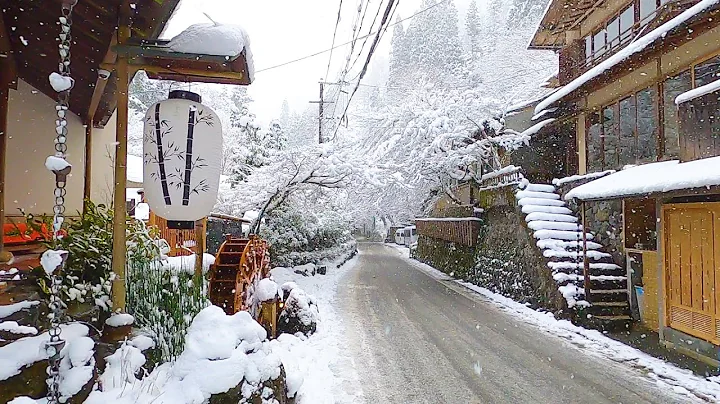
419	340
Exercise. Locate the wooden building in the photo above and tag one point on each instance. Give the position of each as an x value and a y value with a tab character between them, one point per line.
628	69
111	41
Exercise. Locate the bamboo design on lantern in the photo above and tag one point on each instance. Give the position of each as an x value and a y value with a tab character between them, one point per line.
195	117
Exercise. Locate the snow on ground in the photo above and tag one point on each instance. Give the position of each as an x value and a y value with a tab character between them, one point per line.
10	309
593	342
28	350
328	367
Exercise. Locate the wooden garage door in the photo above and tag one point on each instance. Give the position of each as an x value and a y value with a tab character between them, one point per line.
690	233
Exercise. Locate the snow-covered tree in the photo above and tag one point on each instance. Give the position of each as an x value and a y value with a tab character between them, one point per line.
472	28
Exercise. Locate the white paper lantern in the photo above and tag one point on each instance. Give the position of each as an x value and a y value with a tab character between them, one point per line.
182	148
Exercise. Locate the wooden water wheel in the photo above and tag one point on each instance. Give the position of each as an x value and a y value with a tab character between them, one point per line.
239	265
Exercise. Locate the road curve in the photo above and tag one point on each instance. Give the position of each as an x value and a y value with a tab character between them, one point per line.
415	339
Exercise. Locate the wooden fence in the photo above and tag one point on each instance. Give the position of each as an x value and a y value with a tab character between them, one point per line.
504	176
461	230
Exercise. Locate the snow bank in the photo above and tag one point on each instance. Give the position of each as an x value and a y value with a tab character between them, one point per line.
26	351
15	328
8	310
215	39
76	366
633	48
120	319
652	178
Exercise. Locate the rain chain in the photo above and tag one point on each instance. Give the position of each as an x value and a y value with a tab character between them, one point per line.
55	344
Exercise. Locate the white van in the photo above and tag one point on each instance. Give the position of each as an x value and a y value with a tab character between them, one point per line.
399	237
409	236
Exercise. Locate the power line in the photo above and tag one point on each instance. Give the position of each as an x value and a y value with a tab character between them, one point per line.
349	42
389	12
337	23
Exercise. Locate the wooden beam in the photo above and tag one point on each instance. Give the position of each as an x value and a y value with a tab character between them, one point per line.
119	253
101	82
87	186
4	101
8	67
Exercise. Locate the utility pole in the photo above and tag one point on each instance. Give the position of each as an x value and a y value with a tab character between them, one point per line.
321	116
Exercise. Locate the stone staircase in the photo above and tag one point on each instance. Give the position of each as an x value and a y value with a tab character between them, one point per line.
560	237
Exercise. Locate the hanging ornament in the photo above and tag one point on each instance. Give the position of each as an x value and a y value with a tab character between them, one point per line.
182	149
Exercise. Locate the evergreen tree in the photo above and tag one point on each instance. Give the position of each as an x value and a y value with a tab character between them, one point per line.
284	119
472	26
524	12
398	51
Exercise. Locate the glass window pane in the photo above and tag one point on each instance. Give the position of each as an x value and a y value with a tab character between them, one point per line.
647	7
627	19
673	87
599	43
613	32
594	144
707	72
588	47
627	144
647	125
610	137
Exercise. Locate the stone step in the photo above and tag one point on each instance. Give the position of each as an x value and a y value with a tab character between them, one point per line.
598	266
591	254
610	322
536	194
546	225
555	244
540	202
540	188
550	217
610	295
561	210
607	283
562	235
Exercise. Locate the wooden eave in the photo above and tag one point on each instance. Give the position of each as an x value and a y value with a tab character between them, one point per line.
94	25
561	16
160	62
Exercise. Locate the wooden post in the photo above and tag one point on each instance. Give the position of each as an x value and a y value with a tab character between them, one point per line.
119	252
4	101
88	163
586	263
199	249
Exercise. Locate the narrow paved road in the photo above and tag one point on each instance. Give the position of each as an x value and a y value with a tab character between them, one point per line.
419	340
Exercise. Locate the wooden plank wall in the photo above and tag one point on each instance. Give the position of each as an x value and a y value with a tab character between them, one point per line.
457	231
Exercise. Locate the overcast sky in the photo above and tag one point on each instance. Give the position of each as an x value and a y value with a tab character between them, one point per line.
283	30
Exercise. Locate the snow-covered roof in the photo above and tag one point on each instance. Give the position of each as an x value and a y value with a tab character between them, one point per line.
215	39
639	45
537	127
134	169
654	178
698	92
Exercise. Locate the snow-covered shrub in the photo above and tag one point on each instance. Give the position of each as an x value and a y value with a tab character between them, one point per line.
298	237
300	314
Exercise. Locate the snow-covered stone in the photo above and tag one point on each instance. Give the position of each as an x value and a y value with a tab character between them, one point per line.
14	328
120	320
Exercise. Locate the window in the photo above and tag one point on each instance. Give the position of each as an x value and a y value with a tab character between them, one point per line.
594	143
627	20
647	124
707	72
599	43
588	48
673	87
625	132
610	136
628	124
647	8
613	32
